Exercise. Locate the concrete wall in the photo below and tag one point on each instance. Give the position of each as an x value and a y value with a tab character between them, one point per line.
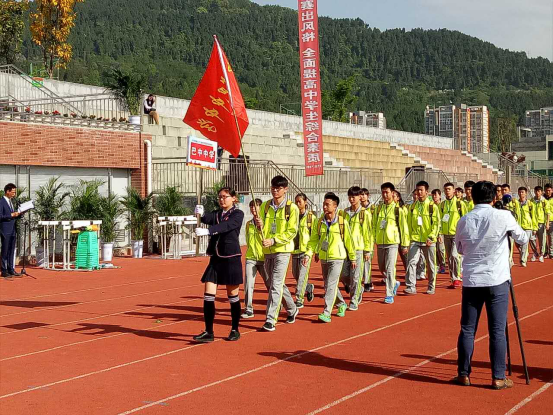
176	108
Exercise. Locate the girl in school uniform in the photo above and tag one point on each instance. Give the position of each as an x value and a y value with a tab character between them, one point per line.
225	264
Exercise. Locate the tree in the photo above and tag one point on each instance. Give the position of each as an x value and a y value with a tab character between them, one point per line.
127	88
505	133
336	104
11	28
51	25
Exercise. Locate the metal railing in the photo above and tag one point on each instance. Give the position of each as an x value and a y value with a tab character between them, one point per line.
233	174
92	106
15	79
46	117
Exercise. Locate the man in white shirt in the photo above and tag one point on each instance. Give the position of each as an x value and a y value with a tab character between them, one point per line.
482	239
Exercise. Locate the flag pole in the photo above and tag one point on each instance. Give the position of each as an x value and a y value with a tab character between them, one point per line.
246	163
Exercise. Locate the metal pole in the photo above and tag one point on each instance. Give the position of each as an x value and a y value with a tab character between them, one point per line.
199	202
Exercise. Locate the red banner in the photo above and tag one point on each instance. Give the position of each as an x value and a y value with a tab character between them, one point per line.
215	103
310	87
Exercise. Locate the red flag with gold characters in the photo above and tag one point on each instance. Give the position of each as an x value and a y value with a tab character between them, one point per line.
215	103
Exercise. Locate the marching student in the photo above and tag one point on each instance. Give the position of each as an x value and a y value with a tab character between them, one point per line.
541	208
549	223
423	230
367	266
225	264
278	219
459	193
358	220
299	271
513	205
451	210
469	203
331	242
255	260
498	193
396	197
390	231
440	246
527	221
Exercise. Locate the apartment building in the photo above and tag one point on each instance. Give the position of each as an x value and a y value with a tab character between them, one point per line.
467	126
370	119
538	123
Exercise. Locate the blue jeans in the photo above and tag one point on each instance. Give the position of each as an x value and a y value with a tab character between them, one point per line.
496	299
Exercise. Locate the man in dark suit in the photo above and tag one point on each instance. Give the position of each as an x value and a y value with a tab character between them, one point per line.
8	216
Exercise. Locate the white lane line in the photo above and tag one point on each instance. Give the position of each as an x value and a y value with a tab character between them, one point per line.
408	370
311	351
90	302
530	398
90	289
85	375
276	362
110	336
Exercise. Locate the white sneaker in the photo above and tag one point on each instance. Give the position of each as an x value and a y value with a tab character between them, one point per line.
533	258
420	277
541	258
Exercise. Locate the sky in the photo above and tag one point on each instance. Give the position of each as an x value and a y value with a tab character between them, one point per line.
519	25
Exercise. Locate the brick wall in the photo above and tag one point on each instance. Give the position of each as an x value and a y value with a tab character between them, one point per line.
48	145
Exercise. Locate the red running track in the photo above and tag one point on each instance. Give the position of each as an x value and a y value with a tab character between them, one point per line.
119	342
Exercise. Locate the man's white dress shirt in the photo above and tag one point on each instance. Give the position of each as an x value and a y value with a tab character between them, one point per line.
482	240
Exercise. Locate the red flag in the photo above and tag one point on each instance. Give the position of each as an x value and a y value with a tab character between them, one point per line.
216	102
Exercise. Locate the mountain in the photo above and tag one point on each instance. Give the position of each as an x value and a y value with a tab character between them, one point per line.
396	71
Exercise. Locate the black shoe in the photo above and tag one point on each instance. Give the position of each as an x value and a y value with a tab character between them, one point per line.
7	276
15	274
204	337
309	292
233	336
346	289
292	319
268	326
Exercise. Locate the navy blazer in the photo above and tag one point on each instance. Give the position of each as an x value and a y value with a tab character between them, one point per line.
7	223
225	233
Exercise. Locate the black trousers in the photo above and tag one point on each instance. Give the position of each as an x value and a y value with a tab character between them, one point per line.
8	250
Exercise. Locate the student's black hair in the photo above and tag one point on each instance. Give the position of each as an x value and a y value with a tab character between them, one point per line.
547	186
365	191
459	189
400	202
279	181
257	202
9	186
469	184
506	185
437	191
230	191
448	184
537	189
333	197
483	192
302	195
387	185
523	188
354	191
423	183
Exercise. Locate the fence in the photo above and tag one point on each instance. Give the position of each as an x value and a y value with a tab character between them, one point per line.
233	174
91	111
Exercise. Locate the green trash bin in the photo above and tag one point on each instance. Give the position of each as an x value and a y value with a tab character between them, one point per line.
87	251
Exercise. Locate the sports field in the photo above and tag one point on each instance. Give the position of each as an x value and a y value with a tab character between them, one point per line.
120	341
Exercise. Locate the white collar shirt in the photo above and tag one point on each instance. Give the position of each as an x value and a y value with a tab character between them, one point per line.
482	240
9	202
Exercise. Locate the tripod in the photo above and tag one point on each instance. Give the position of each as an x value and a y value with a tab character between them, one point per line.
515	312
23	269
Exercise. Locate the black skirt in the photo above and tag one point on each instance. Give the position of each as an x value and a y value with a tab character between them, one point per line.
224	271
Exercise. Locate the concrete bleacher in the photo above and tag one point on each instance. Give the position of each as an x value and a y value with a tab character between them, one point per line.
454	162
358	153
